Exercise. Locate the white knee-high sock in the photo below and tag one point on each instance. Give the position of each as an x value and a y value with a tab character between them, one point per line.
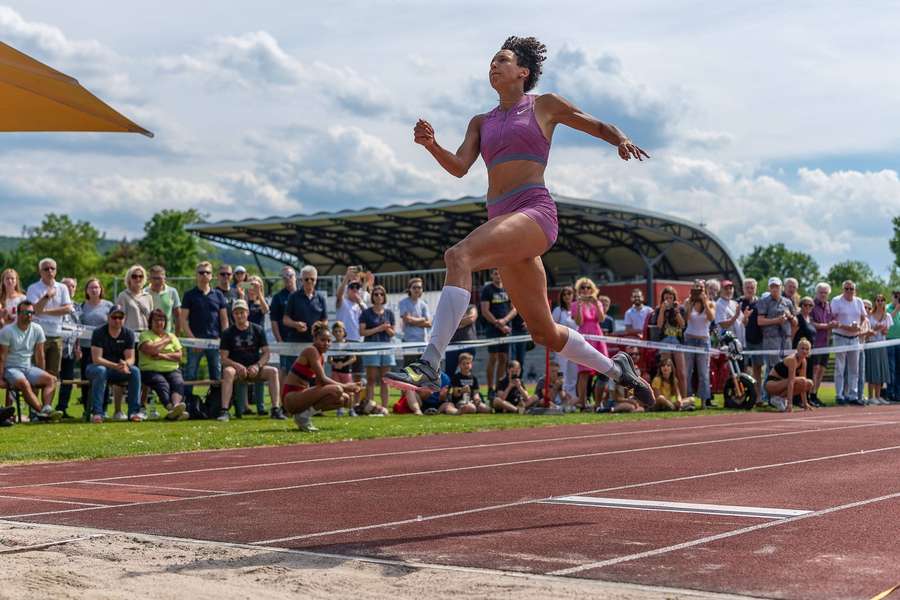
451	308
578	349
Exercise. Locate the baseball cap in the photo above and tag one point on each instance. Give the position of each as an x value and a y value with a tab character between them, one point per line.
117	310
239	304
727	283
774	281
240	269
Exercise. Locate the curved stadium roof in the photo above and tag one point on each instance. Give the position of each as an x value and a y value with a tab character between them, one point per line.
594	237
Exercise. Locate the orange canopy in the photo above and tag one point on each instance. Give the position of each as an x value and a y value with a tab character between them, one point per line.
34	97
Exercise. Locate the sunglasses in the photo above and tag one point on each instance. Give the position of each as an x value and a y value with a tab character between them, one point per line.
137	276
416	287
116	317
377	294
354	286
805	304
309	279
223	274
204	272
26	312
849	289
48	268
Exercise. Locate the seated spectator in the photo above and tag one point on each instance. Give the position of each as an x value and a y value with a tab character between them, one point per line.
465	393
307	389
11	295
136	302
623	401
511	393
559	395
432	403
786	380
112	361
376	324
342	367
245	358
159	358
19	342
666	389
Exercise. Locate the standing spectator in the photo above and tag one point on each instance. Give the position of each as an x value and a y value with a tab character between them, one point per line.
517	350
342	367
415	315
135	301
305	307
223	284
159	359
636	316
376	324
607	324
893	333
729	316
792	293
240	276
71	352
465	393
203	315
752	333
562	315
850	313
865	335
163	296
277	308
700	313
588	314
877	366
824	322
349	305
464	333
19	342
713	287
776	319
11	295
51	301
497	311
245	357
806	328
112	361
670	320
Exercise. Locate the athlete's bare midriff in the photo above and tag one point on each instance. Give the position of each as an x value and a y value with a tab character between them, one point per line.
511	175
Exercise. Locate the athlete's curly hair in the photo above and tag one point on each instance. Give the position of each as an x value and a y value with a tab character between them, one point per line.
530	53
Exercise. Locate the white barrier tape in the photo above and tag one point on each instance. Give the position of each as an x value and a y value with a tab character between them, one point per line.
371	348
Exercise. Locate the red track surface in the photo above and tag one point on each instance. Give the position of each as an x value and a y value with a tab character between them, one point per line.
478	500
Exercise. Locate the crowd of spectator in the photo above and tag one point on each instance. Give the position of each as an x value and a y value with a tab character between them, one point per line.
134	353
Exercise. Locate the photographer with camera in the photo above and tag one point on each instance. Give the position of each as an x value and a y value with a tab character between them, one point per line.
777	321
701	312
670	321
511	393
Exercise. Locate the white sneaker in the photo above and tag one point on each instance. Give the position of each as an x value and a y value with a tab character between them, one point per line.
119	416
778	402
304	421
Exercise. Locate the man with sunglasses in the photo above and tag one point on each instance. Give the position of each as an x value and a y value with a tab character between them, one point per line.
19	342
276	314
850	313
112	361
203	315
304	308
164	296
51	301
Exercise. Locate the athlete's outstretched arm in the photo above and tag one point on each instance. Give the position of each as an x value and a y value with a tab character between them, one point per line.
560	110
457	164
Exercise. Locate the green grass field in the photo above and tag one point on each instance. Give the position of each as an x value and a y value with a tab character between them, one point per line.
71	440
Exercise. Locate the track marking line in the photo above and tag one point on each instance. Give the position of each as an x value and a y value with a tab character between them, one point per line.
755	512
447	470
739	424
417	565
33	499
18	549
151	486
720	536
601	490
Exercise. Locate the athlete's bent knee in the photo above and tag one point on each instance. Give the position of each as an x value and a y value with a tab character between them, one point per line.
548	337
455	258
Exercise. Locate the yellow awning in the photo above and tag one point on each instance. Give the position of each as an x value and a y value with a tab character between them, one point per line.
34	97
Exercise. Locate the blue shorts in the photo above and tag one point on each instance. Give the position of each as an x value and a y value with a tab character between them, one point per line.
379	360
12	375
432	401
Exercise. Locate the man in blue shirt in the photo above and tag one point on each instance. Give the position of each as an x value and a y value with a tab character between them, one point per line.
304	308
203	315
276	314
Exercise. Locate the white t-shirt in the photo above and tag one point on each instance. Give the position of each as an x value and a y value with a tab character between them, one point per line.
725	310
21	344
51	324
873	322
564	317
11	304
415	308
348	314
847	312
635	318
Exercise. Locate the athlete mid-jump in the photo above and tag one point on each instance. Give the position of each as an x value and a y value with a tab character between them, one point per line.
514	139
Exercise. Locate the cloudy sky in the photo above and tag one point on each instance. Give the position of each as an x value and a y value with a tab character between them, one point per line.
767	121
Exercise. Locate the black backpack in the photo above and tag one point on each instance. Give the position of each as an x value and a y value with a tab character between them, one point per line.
754	331
207	407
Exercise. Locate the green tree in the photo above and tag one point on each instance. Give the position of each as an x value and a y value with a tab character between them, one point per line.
73	245
775	260
895	241
166	241
867	282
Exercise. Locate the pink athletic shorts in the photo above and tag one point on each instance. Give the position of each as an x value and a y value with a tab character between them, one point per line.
533	200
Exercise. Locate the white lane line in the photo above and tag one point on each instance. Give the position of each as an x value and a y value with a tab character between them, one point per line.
449	470
642	432
32	499
413	564
152	487
719	536
45	545
597	491
756	512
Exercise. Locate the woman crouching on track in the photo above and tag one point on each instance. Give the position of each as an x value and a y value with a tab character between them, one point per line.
306	387
786	379
514	140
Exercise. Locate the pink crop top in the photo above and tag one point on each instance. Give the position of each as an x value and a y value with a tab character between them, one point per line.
513	134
